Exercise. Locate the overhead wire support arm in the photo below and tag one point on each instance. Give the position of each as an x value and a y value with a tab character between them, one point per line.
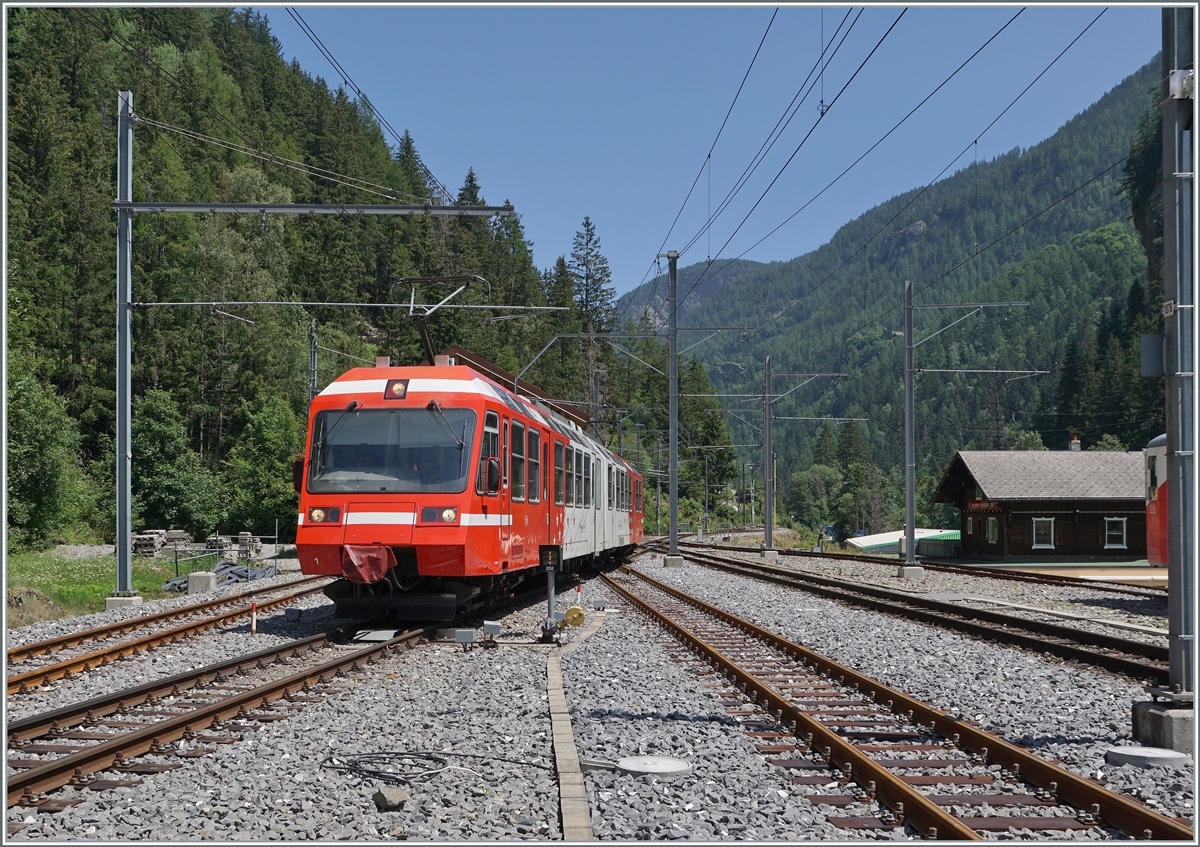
605	335
635	358
314	209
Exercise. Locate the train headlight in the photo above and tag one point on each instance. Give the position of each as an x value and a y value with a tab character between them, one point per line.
319	515
438	514
316	515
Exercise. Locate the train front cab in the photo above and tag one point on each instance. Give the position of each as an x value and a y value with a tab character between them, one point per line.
1156	500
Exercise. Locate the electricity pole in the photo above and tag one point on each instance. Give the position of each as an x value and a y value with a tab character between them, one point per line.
124	593
673	391
1179	296
768	466
910	460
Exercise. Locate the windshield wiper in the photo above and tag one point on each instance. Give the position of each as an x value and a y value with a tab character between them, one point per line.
436	409
328	431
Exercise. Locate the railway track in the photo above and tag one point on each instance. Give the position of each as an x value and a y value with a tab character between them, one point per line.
53	645
945	567
1138	659
22	681
110	732
176	717
878	754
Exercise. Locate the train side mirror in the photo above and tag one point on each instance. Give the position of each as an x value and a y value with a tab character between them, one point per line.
297	474
493	475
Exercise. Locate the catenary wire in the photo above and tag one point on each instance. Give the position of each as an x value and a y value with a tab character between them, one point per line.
362	97
155	66
785	119
709	156
794	153
919	194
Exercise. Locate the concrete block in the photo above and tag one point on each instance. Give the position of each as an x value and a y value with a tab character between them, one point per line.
909	572
1144	757
672	561
770	555
201	582
121	602
1159	725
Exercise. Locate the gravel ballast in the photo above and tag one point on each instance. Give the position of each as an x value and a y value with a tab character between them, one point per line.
1061	711
629	694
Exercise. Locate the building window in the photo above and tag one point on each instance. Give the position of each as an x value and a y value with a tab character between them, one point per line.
970	525
1114	533
993	533
1043	533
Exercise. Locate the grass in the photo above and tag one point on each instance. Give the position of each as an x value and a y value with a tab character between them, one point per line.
42	586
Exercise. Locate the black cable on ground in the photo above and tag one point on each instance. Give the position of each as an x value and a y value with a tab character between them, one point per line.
371	765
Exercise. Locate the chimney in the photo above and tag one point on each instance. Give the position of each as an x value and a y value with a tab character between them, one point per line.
1075	445
383	362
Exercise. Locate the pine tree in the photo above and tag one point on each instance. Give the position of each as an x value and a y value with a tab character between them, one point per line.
826	452
593	280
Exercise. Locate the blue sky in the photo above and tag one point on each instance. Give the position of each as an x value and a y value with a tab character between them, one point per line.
610	111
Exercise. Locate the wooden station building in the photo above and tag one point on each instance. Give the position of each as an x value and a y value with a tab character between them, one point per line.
1048	504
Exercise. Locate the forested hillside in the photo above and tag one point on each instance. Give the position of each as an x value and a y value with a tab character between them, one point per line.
1050	225
220	402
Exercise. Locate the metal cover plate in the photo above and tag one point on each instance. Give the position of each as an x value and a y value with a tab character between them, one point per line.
653	765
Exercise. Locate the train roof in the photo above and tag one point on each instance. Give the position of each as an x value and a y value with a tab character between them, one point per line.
443	378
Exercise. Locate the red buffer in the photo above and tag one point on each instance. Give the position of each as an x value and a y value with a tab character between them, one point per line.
424	487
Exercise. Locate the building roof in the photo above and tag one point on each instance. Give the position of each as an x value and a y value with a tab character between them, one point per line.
1051	474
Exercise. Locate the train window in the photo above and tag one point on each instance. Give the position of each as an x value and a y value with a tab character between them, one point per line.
401	450
558	474
570	472
504	454
491	443
1114	533
587	480
518	461
578	478
535	441
638	490
610	486
993	534
1152	471
546	471
596	483
1043	533
970	525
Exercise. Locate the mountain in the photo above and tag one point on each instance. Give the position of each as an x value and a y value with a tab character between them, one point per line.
1046	225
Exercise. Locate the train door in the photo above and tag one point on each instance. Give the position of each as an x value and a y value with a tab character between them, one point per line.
520	493
601	523
505	491
560	491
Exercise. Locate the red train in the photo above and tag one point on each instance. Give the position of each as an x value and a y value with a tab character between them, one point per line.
1156	500
424	487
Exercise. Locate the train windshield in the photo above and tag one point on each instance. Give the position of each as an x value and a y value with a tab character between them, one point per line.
399	450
